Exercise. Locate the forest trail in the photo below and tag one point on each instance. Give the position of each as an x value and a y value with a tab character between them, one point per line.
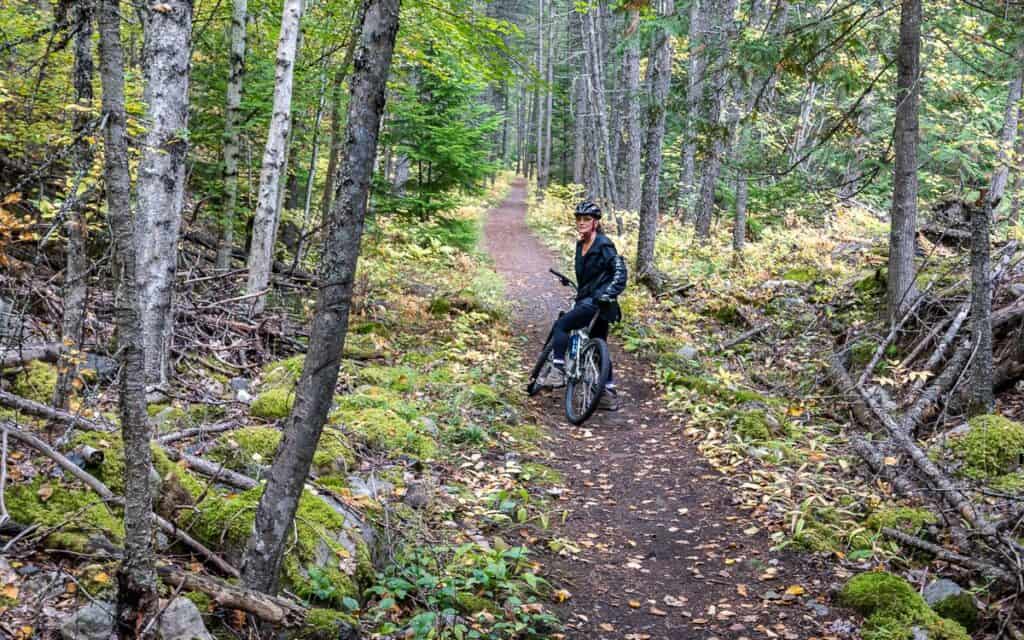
662	550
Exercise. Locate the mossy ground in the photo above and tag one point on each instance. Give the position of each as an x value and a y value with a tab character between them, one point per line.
892	609
273	404
36	382
992	448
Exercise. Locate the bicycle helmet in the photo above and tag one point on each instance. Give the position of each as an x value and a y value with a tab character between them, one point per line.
588	208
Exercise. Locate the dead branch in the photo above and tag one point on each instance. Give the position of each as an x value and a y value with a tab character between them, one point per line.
15	356
988	570
746	335
32	408
220	427
272	609
893	332
215	472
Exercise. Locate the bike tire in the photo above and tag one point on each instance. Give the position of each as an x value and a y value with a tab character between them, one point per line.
597	369
532	387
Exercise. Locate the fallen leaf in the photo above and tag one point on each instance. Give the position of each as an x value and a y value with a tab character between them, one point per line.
742	590
673	601
562	595
634	604
655	611
604	626
795	590
10	592
45	492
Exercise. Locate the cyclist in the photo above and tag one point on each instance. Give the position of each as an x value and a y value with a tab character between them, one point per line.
600	278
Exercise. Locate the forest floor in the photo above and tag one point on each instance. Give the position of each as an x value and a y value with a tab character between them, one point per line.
654	542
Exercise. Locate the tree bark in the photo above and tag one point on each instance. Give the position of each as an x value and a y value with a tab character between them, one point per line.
594	83
161	182
136	594
717	49
695	83
232	118
1009	130
579	157
77	267
1018	183
311	173
541	97
901	288
315	389
549	107
803	126
982	373
275	156
631	101
660	78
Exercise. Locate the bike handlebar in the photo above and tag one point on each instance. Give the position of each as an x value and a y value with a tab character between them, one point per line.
566	282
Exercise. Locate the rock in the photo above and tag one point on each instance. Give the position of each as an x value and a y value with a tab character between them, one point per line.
919	634
371	487
244	396
104	366
239	384
818	609
181	620
417	496
687	352
1017	289
428	425
94	621
939	590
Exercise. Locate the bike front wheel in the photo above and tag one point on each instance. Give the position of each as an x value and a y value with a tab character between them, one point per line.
583	394
540	370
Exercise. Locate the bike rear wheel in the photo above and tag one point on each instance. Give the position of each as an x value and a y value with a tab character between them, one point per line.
540	370
582	395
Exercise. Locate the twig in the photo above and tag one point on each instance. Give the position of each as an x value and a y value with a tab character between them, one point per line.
29	407
4	516
198	431
746	335
893	332
985	568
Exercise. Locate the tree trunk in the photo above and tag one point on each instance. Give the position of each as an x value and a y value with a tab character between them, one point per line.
803	126
275	156
660	78
982	370
315	390
739	225
546	174
695	86
161	182
541	98
337	96
77	268
1018	183
1006	135
631	101
311	174
713	103
579	158
594	83
136	593
232	119
901	288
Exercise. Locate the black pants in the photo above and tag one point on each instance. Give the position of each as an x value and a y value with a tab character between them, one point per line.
578	318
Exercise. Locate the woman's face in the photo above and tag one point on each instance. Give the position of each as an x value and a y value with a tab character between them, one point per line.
585	225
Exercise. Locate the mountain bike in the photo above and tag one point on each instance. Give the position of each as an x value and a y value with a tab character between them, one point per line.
587	367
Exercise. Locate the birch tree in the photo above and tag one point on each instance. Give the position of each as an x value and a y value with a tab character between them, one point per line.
315	390
167	29
275	157
630	172
136	578
232	118
1008	131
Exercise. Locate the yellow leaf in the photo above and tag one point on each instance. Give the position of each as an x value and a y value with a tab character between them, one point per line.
10	592
45	492
795	590
101	578
12	198
742	590
562	595
634	604
891	461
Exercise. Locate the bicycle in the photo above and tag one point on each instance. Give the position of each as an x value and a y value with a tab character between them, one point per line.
587	367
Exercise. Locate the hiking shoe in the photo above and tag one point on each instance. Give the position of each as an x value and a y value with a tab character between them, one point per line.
554	377
609	400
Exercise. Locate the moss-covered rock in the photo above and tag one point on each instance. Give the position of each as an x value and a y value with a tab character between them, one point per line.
36	382
81	518
273	404
251	449
802	274
992	447
908	519
402	379
326	561
892	608
283	373
959	608
752	425
470	604
386	431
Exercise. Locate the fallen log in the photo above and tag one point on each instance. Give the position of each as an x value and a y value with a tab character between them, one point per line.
215	472
208	241
272	609
14	356
38	410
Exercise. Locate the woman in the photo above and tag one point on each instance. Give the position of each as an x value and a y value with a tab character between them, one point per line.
600	278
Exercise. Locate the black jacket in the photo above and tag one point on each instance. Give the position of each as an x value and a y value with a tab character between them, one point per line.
601	273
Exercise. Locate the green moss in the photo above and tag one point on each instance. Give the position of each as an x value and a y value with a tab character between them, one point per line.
273	404
961	609
993	447
802	274
327	624
909	519
98	579
1010	483
333	454
861	352
470	604
36	382
724	313
386	431
202	601
713	388
541	474
402	379
283	373
484	397
111	470
892	608
440	306
752	425
78	512
225	521
251	449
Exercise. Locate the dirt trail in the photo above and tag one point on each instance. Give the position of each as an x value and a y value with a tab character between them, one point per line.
663	551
